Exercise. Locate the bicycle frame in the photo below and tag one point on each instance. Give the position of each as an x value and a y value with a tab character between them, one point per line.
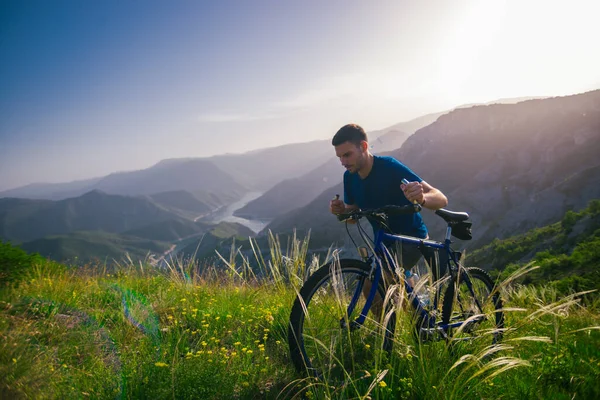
379	248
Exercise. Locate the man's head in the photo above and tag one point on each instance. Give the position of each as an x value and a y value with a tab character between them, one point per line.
352	147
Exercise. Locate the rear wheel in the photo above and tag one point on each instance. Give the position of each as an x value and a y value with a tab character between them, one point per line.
473	298
322	338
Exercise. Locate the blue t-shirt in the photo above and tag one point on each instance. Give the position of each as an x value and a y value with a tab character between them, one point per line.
381	188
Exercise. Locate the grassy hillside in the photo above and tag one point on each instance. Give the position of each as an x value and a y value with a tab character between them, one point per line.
142	333
567	252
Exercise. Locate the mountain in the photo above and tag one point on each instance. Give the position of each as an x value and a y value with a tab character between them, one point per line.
224	176
85	247
51	191
391	138
188	205
23	220
293	193
513	167
262	169
218	237
169	230
314	218
190	175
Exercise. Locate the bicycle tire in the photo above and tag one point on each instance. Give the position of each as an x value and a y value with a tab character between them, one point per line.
319	345
460	305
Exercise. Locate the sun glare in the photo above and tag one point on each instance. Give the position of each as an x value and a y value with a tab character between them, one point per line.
507	49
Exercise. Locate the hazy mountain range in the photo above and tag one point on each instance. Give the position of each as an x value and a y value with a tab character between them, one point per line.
511	166
224	177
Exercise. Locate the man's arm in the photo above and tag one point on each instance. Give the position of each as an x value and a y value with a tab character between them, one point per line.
425	194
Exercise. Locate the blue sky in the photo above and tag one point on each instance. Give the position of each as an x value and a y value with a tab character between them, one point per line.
93	87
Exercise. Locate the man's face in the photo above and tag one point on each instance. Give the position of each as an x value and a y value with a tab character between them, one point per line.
351	156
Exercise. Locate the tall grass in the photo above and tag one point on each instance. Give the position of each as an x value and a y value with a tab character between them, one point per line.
192	331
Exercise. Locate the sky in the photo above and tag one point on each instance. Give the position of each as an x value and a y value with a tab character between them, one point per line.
88	88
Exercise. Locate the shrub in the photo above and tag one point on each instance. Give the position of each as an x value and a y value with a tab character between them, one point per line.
14	262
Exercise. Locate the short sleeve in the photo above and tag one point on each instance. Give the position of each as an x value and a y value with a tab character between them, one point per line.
403	172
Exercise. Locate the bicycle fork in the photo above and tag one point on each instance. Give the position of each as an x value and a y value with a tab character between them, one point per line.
360	320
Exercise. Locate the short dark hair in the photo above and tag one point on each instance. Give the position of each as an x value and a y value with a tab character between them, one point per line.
349	133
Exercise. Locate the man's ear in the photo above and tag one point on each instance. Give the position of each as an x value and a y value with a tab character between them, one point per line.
364	146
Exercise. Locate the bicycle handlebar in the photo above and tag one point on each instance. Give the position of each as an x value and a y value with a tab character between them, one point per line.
379	212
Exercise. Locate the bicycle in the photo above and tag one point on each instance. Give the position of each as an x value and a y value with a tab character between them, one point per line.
329	329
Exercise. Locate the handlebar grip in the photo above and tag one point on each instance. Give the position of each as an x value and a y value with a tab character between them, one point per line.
398	210
343	217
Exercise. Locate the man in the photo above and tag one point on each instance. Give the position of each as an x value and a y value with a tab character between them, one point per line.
372	181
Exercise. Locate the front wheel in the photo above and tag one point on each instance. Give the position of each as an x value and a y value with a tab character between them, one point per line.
472	304
322	338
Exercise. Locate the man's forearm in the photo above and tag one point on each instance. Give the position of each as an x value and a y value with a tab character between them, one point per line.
434	199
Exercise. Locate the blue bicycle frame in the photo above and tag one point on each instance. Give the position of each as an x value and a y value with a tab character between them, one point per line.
381	250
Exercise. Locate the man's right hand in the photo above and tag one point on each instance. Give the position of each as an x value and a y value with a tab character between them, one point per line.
337	206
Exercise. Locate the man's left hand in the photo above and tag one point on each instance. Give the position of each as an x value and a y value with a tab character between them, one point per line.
413	191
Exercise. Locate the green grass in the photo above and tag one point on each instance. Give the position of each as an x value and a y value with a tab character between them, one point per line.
136	332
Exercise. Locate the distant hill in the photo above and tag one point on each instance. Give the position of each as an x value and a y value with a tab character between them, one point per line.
293	193
186	204
566	252
168	231
218	237
84	247
513	167
139	244
262	169
314	217
23	220
51	191
190	175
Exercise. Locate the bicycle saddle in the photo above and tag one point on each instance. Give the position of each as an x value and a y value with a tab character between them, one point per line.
452	216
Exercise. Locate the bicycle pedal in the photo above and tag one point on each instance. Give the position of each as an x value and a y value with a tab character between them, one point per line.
343	324
354	326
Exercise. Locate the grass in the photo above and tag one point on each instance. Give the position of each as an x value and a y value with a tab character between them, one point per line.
136	332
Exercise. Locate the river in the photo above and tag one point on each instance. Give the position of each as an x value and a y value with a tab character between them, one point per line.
226	214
